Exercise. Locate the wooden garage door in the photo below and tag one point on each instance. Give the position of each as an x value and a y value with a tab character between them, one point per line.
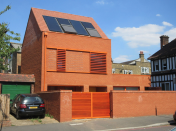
14	89
90	105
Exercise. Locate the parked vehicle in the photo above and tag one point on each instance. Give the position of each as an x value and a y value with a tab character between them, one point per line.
174	116
27	105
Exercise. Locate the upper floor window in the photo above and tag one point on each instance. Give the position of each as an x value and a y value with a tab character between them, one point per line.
164	64
144	69
127	72
156	65
175	61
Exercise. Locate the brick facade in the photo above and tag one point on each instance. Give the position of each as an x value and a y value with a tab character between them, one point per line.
58	104
39	57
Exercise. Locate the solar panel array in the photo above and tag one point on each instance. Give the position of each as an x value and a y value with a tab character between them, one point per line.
70	26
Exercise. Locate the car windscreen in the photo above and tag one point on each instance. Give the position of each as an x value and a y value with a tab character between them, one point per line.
32	100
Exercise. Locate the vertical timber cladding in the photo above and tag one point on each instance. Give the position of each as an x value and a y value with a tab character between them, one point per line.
90	105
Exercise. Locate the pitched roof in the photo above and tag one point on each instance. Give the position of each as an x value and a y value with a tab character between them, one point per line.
16	45
17	77
132	62
38	14
167	50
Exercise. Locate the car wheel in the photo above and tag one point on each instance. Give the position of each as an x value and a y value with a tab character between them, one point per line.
17	115
10	110
42	116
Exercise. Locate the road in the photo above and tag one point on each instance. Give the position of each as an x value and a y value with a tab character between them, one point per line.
146	123
157	128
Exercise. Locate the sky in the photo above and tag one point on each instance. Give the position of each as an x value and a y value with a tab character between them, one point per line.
132	25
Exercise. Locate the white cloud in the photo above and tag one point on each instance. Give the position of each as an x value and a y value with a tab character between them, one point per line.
143	36
158	15
101	2
121	58
171	33
166	23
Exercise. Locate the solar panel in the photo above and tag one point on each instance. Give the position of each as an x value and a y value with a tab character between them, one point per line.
87	25
68	29
78	27
93	32
52	24
63	21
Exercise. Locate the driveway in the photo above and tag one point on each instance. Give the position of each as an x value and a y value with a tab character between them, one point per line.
31	121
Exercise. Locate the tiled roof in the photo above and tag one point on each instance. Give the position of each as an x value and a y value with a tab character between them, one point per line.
16	45
16	78
38	14
167	50
131	62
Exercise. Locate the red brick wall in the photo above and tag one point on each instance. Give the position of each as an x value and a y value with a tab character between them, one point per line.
58	104
135	103
7	123
130	80
32	52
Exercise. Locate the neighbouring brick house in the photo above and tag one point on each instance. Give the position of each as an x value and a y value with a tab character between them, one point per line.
71	52
163	65
139	66
15	61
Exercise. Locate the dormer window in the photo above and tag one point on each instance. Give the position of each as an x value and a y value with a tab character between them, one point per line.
164	64
156	64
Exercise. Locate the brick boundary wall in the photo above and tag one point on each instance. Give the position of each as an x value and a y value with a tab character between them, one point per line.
58	104
6	123
143	103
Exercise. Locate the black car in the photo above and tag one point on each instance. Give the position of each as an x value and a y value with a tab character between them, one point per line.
27	105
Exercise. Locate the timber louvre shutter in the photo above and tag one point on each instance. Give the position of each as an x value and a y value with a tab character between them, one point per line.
98	63
61	60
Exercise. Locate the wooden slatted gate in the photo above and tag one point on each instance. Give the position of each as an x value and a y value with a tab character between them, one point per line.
90	105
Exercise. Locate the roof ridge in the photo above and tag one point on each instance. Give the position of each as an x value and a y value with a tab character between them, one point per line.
60	12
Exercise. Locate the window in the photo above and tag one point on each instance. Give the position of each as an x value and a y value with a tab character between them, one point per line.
156	65
144	69
113	70
165	86
175	61
119	88
164	64
127	72
132	88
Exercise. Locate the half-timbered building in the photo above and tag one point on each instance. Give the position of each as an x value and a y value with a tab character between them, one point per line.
163	65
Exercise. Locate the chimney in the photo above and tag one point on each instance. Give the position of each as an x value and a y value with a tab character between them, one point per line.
141	55
164	39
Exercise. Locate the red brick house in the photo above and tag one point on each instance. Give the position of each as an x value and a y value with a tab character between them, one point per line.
66	51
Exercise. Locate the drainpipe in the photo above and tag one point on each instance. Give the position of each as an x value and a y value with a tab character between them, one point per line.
45	36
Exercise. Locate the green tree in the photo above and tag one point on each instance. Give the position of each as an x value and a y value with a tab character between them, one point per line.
5	36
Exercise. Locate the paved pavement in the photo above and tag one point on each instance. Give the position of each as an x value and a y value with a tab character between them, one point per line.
101	124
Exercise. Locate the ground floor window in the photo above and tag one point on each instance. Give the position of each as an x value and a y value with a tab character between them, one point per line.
73	88
97	89
165	86
126	88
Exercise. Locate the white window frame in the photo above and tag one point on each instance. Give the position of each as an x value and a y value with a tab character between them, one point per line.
164	64
144	69
156	63
127	72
